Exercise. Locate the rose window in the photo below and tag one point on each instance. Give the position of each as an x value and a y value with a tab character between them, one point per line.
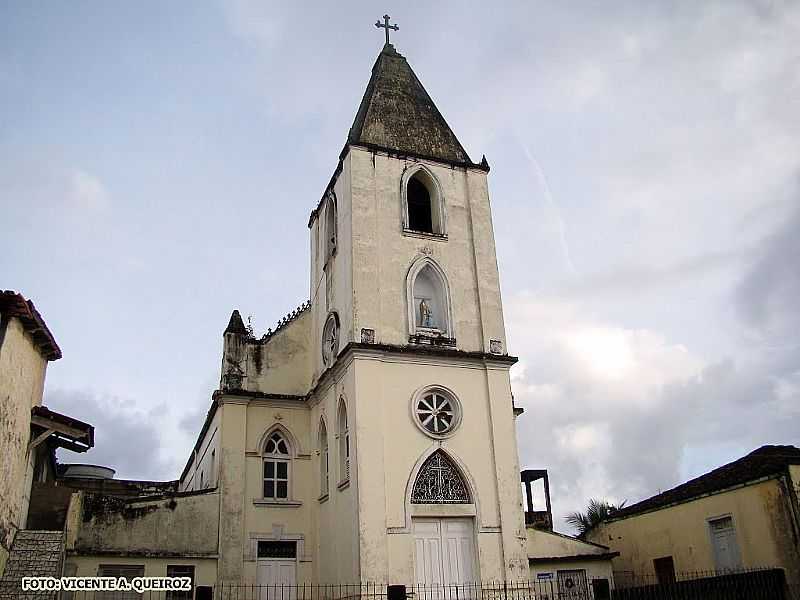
436	413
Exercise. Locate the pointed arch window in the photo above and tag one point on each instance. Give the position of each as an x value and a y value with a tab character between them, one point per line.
277	460
429	312
331	236
324	465
439	482
423	205
343	433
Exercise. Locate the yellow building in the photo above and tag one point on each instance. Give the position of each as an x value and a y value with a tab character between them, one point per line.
29	432
742	515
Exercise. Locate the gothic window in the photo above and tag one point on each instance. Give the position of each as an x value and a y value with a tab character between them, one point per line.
324	467
423	203
330	226
330	339
213	470
437	411
439	482
343	434
428	297
276	467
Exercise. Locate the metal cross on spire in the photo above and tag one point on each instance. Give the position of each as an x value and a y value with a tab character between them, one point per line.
386	26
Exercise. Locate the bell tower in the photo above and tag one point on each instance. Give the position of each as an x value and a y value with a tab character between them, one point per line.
402	245
409	344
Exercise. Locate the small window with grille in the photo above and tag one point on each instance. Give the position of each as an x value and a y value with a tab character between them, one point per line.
180	571
277	549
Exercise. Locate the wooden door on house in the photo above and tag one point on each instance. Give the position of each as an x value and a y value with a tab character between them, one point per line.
724	544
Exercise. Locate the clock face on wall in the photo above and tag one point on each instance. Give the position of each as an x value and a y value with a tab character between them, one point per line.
330	339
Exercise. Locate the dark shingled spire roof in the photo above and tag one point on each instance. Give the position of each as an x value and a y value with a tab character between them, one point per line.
397	114
236	325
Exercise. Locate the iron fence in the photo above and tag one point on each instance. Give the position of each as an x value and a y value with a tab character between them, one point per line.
753	584
747	584
480	590
357	591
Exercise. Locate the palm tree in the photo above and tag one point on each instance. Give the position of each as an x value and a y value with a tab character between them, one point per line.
596	513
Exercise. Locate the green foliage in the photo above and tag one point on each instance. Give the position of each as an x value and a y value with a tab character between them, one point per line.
596	513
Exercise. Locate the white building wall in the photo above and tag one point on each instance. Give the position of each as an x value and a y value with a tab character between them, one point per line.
383	253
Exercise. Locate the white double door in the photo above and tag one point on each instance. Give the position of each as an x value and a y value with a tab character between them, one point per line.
444	552
276	579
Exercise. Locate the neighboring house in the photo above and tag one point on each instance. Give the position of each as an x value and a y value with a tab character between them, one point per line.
568	564
29	432
742	515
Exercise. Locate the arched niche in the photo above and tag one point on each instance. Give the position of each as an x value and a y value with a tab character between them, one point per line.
428	299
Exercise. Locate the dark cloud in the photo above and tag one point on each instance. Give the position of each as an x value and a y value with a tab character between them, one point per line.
769	295
191	422
126	437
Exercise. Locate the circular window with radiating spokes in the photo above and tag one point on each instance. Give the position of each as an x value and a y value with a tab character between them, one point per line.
437	412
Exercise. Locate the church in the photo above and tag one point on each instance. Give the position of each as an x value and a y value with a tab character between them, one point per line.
370	437
373	430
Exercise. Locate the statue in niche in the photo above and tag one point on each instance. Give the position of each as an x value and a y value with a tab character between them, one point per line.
425	314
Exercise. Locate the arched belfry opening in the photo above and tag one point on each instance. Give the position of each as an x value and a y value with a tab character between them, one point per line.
419	206
440	482
423	203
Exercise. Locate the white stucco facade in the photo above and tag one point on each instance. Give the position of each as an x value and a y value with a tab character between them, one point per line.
362	527
373	431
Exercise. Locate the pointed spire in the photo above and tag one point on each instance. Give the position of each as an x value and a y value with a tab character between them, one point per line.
398	115
236	325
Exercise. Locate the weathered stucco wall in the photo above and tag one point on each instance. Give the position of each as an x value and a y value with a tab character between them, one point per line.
337	519
390	447
324	527
282	364
383	253
204	466
761	519
205	569
22	373
331	277
794	474
544	544
547	544
185	525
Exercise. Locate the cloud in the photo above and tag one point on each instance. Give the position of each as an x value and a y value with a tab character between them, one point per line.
87	192
126	437
618	413
768	297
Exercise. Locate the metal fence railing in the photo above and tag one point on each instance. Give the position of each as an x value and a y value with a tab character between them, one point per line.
747	584
754	584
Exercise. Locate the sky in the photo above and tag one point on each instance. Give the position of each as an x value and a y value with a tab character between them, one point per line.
158	163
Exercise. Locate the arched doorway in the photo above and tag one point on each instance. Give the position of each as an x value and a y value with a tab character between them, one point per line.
444	532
